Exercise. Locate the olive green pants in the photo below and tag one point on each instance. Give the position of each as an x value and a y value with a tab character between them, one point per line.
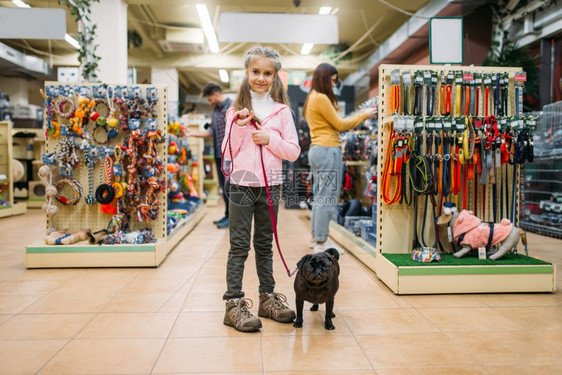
247	203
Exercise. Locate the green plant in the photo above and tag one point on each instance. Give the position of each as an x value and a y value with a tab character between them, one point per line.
512	56
81	10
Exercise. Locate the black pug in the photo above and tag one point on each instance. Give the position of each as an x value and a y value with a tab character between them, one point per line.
317	282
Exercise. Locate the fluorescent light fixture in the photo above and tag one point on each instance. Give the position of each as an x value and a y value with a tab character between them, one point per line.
72	41
325	10
21	4
224	75
208	29
306	48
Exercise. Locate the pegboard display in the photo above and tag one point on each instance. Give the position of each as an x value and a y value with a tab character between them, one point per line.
103	141
465	126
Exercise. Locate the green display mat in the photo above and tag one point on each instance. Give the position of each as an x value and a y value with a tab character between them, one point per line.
403	260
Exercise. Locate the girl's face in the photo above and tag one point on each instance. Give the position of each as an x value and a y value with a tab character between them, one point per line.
334	79
260	74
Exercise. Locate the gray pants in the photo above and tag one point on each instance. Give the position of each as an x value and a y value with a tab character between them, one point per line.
326	164
245	203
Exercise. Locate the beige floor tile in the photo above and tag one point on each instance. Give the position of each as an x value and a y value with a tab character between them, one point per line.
4	317
69	303
464	370
524	370
313	353
203	324
444	300
155	285
26	356
313	324
138	302
129	326
173	304
380	321
534	318
344	372
523	348
413	350
43	326
224	354
20	287
105	357
12	304
89	286
359	300
470	319
50	274
206	301
529	300
187	286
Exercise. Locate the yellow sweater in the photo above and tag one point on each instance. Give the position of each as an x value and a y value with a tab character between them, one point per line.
324	122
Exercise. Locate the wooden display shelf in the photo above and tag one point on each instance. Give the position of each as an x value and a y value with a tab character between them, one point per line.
443	279
32	202
82	254
357	246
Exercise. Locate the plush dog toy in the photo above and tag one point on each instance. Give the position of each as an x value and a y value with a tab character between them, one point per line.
471	233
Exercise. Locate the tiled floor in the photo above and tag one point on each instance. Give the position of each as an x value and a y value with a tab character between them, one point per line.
169	320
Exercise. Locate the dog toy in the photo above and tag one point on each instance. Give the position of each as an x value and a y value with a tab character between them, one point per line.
66	238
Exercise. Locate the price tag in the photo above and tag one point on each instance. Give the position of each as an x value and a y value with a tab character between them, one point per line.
482	252
410	123
447	124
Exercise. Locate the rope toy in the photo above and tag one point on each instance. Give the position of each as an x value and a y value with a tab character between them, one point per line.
50	191
76	189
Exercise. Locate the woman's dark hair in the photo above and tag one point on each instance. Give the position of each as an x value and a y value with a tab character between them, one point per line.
322	83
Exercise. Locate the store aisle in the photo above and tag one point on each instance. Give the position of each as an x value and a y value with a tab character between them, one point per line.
169	320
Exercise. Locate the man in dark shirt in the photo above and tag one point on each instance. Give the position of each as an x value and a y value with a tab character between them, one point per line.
213	93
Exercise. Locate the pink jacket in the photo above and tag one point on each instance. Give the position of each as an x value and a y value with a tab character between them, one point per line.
477	232
246	167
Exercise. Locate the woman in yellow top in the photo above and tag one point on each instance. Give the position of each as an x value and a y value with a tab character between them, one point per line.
325	154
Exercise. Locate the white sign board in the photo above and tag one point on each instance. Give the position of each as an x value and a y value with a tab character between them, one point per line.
278	28
32	23
446	40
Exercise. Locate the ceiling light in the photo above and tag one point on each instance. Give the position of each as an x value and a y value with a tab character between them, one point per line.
208	29
335	10
306	48
325	10
72	41
224	75
21	4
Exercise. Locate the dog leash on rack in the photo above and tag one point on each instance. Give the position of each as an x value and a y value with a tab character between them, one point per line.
268	192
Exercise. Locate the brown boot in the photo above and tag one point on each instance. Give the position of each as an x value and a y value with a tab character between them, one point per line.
238	315
274	306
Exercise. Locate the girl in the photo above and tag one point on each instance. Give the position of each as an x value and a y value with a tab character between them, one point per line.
264	125
325	155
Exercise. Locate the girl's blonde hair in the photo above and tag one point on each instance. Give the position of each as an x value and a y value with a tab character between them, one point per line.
277	92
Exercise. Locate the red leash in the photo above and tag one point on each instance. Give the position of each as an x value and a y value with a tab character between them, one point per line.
269	199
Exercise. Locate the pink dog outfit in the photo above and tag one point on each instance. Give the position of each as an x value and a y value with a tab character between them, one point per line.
476	233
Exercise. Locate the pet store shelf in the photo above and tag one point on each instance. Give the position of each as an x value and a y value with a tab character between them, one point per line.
15	209
82	254
357	246
516	273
